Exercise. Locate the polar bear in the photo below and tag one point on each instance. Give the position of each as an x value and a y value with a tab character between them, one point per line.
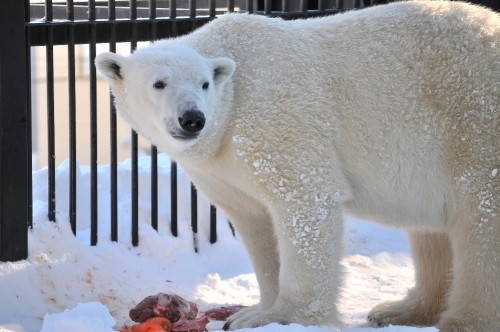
390	113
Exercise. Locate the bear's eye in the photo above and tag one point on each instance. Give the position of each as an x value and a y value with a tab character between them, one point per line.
205	85
159	85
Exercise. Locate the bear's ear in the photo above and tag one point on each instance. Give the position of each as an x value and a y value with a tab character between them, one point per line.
223	69
110	65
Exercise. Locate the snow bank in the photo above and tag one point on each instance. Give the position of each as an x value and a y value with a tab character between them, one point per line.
85	317
65	284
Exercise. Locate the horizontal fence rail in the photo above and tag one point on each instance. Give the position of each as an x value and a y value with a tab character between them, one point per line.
105	31
144	9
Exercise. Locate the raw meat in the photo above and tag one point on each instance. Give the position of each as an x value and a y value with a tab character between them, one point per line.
182	313
171	306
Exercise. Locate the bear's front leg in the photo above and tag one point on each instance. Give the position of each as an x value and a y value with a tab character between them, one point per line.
254	226
309	240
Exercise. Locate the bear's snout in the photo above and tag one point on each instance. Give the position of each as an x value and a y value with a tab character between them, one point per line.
192	121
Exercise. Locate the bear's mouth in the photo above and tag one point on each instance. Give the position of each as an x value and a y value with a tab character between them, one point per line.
184	135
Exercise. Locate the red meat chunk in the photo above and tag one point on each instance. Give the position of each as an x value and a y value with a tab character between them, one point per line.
182	313
170	306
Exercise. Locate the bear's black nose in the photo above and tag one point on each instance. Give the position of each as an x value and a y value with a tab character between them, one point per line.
192	121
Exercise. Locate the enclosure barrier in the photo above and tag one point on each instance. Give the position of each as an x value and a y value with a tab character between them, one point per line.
27	24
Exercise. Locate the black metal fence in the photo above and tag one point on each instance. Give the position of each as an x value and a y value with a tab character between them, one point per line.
47	24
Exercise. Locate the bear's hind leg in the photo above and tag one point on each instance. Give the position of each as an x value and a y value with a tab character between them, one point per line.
421	307
474	301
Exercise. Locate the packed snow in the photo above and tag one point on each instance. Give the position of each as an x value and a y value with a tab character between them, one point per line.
68	285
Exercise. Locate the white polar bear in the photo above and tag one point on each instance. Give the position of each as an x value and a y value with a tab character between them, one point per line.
390	112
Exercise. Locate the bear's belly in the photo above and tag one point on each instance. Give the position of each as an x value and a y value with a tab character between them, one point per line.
409	209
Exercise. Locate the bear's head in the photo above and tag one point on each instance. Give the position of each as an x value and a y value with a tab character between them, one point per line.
167	93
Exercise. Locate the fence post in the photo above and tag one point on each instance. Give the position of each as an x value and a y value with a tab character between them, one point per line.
15	133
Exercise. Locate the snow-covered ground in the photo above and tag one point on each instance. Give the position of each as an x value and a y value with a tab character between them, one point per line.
67	285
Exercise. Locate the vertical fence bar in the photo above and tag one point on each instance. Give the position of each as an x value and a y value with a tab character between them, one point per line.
152	9
72	115
15	174
173	15
249	4
285	5
113	136
173	164
194	216
154	187
321	5
51	157
192	8
303	5
93	125
135	191
29	124
173	198
268	5
230	6
211	8
173	8
154	150
213	224
213	211
152	16
134	143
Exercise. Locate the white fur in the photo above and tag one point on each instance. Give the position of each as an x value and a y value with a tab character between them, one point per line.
389	112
